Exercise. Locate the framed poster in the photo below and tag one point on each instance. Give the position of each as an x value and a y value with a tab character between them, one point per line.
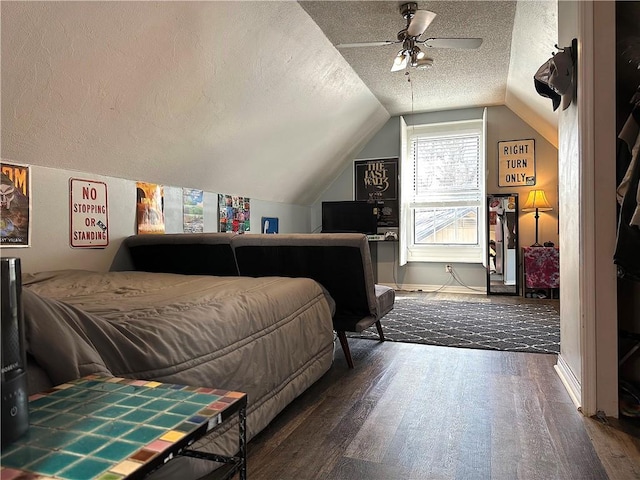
89	215
234	213
516	163
192	210
15	205
150	207
377	181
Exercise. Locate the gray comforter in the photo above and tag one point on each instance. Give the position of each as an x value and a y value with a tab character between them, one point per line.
270	337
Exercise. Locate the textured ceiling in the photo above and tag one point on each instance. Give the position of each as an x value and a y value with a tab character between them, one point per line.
458	78
518	37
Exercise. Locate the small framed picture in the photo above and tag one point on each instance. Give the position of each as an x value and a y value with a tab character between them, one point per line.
269	225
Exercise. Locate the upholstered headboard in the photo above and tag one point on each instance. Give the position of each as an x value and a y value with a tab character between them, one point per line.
190	254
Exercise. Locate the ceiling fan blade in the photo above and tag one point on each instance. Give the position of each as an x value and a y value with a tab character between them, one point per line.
366	44
469	43
419	23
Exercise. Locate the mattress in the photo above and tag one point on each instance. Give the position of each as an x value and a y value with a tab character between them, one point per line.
271	337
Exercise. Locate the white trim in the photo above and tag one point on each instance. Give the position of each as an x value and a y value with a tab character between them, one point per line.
461	253
450	129
569	381
586	119
405	188
415	287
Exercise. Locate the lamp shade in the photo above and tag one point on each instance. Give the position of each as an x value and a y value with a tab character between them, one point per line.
401	61
536	200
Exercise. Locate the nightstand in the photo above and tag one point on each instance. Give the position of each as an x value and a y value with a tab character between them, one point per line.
541	270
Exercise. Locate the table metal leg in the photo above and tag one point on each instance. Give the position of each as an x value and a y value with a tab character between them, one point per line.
238	462
242	427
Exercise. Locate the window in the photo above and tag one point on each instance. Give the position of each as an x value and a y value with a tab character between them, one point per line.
445	193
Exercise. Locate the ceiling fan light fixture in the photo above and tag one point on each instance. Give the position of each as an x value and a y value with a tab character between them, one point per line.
400	62
416	56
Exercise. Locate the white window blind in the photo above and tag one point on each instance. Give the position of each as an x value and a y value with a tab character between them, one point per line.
446	169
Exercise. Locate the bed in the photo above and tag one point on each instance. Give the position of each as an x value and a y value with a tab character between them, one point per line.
271	337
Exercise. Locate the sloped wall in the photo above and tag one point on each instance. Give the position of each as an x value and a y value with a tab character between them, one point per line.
535	32
241	97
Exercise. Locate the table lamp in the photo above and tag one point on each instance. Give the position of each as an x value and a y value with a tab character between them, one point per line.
536	201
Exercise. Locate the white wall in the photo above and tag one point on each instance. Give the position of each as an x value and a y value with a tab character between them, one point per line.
588	313
50	245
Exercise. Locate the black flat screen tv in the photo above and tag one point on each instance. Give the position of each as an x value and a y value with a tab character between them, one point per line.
350	217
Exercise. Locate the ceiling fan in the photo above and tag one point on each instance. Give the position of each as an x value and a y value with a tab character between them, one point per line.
411	54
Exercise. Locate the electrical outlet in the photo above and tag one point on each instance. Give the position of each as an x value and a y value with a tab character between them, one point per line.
448	268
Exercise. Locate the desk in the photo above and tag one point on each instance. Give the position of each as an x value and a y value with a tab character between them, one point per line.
541	270
374	241
108	428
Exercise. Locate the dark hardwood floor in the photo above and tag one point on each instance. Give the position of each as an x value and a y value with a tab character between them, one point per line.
419	412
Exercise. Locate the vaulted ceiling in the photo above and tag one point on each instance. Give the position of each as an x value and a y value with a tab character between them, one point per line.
458	78
518	36
249	98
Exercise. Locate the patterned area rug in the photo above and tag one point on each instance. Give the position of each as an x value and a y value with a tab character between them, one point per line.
516	328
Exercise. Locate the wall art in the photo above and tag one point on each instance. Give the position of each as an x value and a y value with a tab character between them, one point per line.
516	163
234	213
192	210
150	207
270	225
15	205
377	181
88	214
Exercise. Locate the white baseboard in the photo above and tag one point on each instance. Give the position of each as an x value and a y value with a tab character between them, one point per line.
569	380
438	288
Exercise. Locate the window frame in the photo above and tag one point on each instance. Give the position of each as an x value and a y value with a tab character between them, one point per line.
464	253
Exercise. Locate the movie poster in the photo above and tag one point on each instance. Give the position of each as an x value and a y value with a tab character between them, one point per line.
192	210
150	207
15	203
234	213
377	181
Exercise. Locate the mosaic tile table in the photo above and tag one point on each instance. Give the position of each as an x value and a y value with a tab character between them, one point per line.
108	428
